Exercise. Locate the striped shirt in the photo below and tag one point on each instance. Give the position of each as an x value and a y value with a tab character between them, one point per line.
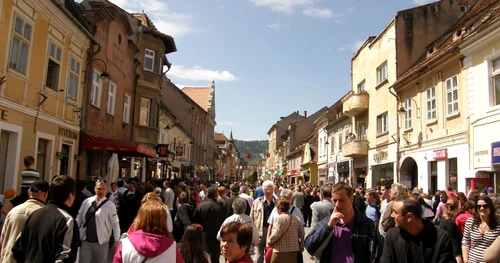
29	176
476	242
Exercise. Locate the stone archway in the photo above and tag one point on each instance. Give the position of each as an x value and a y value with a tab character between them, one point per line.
409	173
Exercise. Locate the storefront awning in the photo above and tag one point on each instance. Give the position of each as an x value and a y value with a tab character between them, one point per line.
129	149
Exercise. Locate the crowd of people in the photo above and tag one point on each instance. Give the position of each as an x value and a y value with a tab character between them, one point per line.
194	221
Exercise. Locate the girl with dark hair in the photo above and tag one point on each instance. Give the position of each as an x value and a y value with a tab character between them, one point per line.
193	248
480	230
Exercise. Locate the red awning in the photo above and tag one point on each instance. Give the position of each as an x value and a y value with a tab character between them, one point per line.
131	149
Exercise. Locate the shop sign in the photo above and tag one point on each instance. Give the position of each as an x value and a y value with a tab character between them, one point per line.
483	152
179	151
162	150
66	141
68	133
380	156
343	167
495	153
3	114
440	154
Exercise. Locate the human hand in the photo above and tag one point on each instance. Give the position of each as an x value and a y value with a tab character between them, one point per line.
334	219
115	246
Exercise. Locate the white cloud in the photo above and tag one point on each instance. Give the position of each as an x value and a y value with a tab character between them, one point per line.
423	2
283	6
198	73
165	20
226	123
317	12
354	46
276	26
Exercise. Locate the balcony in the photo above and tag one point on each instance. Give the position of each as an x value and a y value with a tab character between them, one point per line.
357	104
356	148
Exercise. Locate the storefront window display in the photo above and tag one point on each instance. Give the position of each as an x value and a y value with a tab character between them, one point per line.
382	173
452	173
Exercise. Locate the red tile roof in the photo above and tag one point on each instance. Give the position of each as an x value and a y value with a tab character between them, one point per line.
200	95
220	137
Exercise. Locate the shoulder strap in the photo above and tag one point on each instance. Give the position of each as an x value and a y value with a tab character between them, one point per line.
289	224
144	260
93	214
293	209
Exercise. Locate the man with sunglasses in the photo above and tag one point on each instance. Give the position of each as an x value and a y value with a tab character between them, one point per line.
415	240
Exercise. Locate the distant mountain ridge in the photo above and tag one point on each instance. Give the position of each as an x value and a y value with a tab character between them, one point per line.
253	147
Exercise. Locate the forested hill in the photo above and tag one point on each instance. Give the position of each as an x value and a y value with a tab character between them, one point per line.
254	147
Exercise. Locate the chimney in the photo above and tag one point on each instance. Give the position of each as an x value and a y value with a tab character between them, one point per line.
305	114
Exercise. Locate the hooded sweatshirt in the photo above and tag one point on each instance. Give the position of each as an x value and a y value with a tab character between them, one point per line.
140	245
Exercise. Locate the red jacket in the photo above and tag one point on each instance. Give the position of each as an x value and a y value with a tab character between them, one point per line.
244	259
461	219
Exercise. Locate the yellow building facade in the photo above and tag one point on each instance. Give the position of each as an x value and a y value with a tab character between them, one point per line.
43	54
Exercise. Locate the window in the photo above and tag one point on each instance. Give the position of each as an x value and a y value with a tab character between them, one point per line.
382	73
111	98
41	156
382	123
463	9
332	149
95	93
431	104
362	86
53	66
73	79
145	111
126	108
325	146
495	73
362	130
340	142
320	149
408	112
21	38
149	59
452	95
452	172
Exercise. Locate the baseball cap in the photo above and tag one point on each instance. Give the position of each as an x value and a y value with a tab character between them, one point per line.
235	189
158	191
490	189
39	186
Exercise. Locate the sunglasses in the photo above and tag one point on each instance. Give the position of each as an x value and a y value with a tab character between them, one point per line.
482	206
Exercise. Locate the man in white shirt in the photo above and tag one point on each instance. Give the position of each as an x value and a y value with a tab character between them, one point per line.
96	221
169	197
204	192
244	195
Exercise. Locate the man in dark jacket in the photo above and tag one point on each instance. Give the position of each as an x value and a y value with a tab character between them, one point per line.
414	240
50	233
228	203
347	235
210	214
183	218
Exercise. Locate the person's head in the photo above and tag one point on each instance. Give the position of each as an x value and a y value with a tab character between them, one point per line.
222	191
243	189
101	188
371	196
326	192
453	208
132	186
234	190
152	218
203	186
385	190
114	186
342	197
213	192
121	183
485	210
166	184
398	191
29	162
39	189
444	196
406	213
286	193
283	205
298	188
239	206
150	197
193	248
276	188
268	188
183	198
62	190
236	239
469	206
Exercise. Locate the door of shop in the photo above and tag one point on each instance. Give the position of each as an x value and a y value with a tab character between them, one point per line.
4	147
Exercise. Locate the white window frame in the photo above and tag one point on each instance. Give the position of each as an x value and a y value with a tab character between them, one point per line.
430	95
452	88
362	86
320	148
54	58
408	114
96	90
382	123
495	74
73	82
149	54
325	146
147	121
22	39
361	132
382	74
111	104
126	108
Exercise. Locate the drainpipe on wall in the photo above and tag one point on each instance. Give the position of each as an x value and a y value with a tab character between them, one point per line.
398	154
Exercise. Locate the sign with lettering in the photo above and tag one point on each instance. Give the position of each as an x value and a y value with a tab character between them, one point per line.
483	152
66	141
380	156
162	150
3	114
179	151
68	133
440	154
495	153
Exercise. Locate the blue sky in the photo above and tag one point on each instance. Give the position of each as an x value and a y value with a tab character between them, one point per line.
268	58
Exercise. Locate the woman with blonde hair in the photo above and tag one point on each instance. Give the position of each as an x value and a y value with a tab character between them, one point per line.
447	223
152	197
150	239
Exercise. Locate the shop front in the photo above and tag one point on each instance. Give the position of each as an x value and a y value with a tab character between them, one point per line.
381	171
322	174
52	142
344	171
